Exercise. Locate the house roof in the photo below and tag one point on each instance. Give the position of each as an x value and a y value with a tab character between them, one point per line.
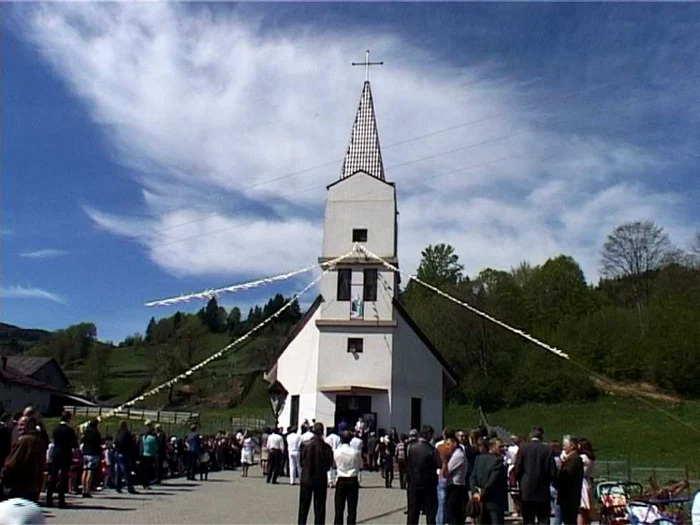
424	338
28	365
12	375
271	374
363	152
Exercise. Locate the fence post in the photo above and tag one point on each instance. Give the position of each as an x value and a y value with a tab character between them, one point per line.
629	470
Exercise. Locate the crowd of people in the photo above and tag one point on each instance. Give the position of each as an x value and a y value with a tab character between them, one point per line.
82	461
449	479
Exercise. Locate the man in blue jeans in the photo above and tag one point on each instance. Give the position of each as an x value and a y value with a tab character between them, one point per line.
194	449
123	451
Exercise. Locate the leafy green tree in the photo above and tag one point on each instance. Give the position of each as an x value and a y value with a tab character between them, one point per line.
440	265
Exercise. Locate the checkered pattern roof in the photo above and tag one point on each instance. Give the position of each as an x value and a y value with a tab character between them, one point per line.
364	153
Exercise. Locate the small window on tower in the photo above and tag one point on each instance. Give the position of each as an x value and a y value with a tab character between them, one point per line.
370	285
359	235
344	282
355	345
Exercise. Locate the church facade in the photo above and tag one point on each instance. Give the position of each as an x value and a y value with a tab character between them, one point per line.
357	353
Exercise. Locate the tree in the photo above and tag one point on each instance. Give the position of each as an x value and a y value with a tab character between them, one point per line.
95	369
150	330
213	317
233	319
695	248
634	251
440	265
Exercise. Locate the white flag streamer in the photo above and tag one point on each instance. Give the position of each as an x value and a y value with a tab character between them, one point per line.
469	307
329	266
215	292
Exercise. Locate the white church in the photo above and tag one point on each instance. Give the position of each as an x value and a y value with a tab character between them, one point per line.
357	353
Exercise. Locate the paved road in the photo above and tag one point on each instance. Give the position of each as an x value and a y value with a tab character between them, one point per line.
225	498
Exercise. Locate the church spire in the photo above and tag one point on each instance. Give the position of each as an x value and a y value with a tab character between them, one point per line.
363	152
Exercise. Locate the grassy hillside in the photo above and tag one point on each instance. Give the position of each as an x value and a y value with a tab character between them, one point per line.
619	428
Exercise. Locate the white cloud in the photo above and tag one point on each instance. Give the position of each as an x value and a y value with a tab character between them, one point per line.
20	292
45	253
208	108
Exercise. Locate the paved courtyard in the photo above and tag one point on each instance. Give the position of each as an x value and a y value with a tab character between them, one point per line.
225	498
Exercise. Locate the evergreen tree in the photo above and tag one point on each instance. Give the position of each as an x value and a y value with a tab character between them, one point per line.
150	330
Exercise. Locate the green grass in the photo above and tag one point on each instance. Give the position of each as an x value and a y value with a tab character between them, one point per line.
619	428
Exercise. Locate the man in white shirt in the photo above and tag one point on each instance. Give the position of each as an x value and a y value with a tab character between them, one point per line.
348	462
293	445
307	436
357	443
333	441
275	444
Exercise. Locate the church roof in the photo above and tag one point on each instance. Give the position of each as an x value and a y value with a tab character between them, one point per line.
363	152
271	375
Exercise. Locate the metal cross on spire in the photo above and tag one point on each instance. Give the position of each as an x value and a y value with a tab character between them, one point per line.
367	63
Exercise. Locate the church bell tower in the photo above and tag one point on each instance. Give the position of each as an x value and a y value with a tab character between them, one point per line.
360	208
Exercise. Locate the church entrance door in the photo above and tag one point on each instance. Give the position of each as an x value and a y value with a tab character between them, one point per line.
351	408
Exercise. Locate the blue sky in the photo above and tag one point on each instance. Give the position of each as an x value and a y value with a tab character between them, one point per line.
154	149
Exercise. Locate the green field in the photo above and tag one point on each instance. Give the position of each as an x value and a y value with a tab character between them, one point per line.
620	429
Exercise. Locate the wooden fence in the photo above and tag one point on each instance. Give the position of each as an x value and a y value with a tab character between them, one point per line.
157	416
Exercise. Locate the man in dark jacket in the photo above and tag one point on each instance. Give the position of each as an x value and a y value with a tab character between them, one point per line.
316	461
64	441
490	477
125	450
569	482
422	465
535	470
5	443
23	472
162	455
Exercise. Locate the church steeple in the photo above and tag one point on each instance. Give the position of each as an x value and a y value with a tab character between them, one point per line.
363	152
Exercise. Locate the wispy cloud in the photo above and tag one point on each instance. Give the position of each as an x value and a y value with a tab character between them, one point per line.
6	232
209	109
20	292
45	253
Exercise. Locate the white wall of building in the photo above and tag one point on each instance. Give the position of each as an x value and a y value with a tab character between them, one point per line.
297	370
360	201
416	373
371	368
16	397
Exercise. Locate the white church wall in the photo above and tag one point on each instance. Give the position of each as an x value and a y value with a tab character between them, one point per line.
338	367
416	373
297	370
325	409
360	201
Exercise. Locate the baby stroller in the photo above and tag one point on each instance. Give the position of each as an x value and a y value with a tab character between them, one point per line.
614	498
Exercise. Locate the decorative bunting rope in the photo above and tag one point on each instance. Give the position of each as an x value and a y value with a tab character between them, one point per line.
469	307
215	292
228	347
530	338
